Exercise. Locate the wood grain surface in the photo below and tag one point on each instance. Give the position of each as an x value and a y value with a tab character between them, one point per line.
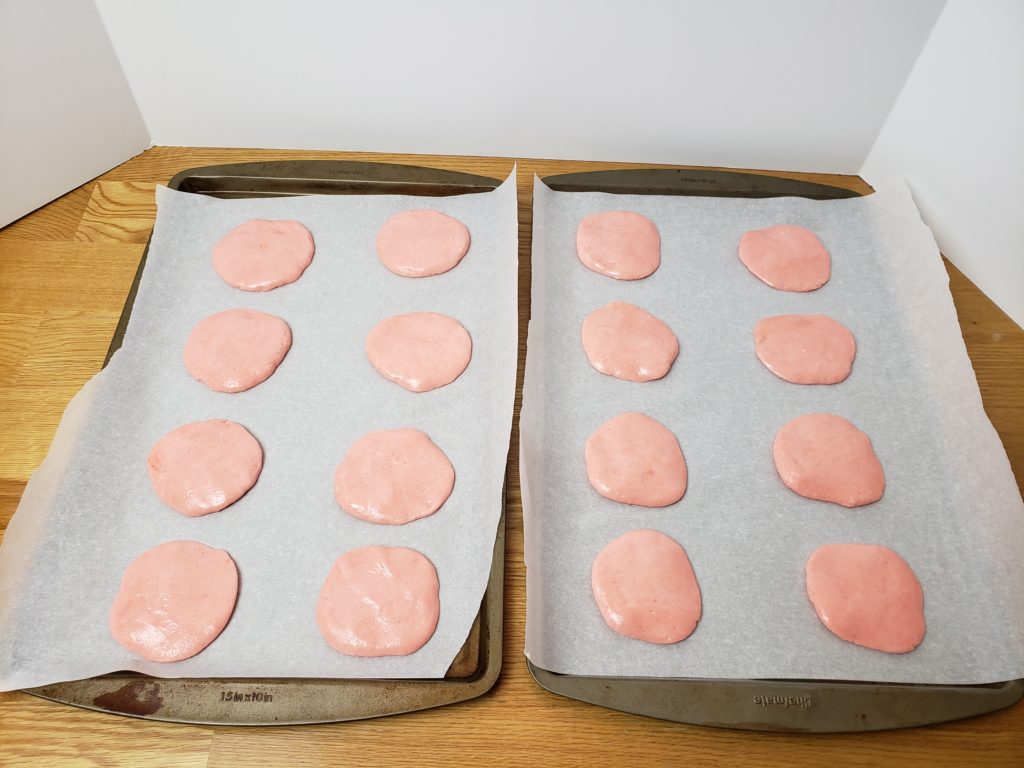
65	271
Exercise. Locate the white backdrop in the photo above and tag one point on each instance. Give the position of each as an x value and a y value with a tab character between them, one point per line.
794	84
66	113
957	135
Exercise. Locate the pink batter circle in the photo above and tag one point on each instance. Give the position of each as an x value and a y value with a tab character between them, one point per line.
235	350
393	477
419	351
204	466
422	243
379	601
868	595
805	349
629	343
645	588
175	599
636	460
786	257
620	244
823	456
261	255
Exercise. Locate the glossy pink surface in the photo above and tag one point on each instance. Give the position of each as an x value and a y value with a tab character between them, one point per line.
805	349
823	456
174	600
645	588
620	244
867	594
629	343
422	243
261	255
234	350
786	257
636	460
393	477
419	351
379	601
204	466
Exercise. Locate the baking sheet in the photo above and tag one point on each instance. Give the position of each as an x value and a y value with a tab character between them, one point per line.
89	510
951	505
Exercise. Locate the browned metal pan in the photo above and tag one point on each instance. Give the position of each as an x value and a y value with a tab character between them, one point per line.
819	706
278	701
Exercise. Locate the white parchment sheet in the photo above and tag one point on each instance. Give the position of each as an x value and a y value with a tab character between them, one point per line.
90	509
951	506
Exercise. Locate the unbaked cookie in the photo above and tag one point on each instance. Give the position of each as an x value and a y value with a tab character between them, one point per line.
379	601
645	588
261	255
393	476
419	351
175	599
636	460
868	595
823	456
629	343
234	350
786	257
422	243
204	466
620	244
805	349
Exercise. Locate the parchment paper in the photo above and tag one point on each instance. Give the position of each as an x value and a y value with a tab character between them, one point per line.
90	509
951	506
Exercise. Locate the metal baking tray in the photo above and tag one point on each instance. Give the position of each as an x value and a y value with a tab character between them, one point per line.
810	706
280	701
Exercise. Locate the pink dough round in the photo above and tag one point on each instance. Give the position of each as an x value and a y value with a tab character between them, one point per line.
379	601
786	257
619	244
636	460
823	456
868	595
422	243
393	477
204	466
805	349
419	351
261	255
645	588
235	350
175	599
627	342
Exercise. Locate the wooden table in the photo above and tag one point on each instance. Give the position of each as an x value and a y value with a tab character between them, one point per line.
64	273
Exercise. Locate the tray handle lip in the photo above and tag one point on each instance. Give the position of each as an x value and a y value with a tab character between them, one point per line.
981	699
337	170
704	182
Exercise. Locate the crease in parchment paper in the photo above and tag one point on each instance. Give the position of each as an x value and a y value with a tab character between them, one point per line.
951	506
90	509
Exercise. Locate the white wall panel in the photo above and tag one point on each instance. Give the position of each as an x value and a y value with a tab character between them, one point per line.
66	112
957	135
795	84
